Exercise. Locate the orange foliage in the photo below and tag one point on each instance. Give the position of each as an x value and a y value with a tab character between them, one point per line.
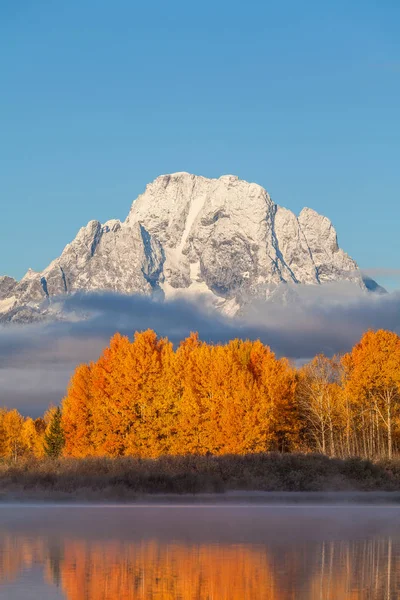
373	382
19	436
143	399
78	413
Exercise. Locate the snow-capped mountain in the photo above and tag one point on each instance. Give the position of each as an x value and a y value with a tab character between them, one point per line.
223	238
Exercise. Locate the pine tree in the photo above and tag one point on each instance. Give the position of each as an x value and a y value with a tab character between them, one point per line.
54	439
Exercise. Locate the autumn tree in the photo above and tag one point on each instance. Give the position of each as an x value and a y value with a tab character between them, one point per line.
78	419
12	423
109	393
32	437
236	398
148	406
123	404
277	384
320	403
373	381
145	399
237	418
199	367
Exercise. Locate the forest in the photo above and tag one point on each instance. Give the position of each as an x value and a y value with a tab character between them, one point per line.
143	398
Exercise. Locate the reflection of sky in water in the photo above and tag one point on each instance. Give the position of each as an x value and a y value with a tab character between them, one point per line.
200	553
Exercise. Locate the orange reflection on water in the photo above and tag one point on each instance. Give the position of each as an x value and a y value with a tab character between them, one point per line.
151	570
167	572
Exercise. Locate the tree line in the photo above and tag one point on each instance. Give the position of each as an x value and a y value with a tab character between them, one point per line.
37	438
144	398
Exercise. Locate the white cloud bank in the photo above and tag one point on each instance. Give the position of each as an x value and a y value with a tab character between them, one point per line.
36	361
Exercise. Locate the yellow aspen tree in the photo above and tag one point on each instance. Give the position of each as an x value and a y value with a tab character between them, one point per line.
239	426
166	402
111	398
78	421
278	388
32	441
319	401
12	425
148	404
373	378
196	404
271	416
180	380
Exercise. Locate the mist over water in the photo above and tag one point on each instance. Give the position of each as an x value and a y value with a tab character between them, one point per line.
193	552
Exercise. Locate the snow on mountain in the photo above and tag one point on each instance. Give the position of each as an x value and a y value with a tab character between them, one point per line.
188	235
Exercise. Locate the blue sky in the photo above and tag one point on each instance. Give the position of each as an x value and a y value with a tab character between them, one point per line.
97	98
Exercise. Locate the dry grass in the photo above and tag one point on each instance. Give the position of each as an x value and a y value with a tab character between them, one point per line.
124	478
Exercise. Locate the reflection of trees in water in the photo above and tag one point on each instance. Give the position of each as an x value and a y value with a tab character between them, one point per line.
55	561
357	570
18	554
105	570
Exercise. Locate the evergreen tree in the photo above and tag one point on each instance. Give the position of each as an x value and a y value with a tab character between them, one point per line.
54	439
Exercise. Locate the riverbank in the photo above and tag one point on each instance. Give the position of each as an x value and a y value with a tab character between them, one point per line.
127	479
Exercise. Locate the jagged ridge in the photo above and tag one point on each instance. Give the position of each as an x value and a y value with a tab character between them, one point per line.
187	234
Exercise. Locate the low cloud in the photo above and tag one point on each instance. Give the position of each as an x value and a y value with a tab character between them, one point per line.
329	319
36	361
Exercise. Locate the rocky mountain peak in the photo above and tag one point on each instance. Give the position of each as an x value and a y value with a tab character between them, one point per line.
223	238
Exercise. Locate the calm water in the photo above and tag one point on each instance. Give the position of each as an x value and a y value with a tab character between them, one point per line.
199	552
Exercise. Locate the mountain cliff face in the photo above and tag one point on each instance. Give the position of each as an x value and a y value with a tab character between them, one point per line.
224	238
